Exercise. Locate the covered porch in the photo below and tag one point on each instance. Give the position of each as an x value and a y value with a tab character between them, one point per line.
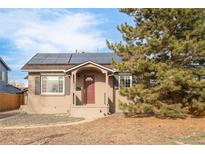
91	89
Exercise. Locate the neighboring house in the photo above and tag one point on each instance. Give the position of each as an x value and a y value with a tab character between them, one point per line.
4	86
82	84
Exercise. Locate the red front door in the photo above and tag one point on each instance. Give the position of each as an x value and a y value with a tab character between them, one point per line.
89	89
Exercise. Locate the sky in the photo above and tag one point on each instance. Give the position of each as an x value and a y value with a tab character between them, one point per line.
25	32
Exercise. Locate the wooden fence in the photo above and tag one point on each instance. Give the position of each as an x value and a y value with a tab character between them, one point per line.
11	101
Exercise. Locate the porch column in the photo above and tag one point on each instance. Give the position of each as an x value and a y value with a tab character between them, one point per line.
74	87
107	85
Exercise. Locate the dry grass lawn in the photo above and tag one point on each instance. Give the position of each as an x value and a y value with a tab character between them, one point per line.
23	119
113	130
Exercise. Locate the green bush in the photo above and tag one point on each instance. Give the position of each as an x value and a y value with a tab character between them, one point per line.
162	46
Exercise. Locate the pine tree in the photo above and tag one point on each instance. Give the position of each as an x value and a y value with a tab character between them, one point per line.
165	52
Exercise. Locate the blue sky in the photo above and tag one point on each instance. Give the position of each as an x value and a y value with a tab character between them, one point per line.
24	32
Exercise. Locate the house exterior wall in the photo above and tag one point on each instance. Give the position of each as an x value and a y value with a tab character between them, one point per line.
104	85
120	98
3	84
64	104
45	103
4	69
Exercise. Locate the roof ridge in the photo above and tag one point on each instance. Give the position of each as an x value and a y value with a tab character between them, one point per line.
4	63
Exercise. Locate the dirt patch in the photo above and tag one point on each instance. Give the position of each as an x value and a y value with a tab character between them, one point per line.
193	139
110	130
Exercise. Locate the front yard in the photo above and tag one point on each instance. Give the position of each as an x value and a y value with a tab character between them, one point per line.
16	119
113	130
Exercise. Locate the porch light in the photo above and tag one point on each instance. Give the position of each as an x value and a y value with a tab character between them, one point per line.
89	79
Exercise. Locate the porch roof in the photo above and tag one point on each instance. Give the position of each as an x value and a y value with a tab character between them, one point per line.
90	62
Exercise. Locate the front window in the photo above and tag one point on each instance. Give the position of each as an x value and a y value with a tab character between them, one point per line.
52	85
125	81
2	76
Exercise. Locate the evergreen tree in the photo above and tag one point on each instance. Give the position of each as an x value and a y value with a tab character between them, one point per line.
164	50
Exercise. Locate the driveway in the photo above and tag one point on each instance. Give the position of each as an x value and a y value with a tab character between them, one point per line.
113	130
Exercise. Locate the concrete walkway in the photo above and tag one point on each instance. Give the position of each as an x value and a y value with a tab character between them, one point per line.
7	114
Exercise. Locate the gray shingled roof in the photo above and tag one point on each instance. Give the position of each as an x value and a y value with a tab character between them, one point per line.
3	62
9	89
74	58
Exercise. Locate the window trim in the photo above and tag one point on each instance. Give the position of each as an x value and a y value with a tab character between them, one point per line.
54	93
1	73
3	76
130	76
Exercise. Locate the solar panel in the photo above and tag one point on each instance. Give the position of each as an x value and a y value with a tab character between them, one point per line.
50	58
101	58
62	61
35	61
64	55
49	61
42	56
75	58
53	55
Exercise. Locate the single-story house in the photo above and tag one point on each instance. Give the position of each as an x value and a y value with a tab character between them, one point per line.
82	84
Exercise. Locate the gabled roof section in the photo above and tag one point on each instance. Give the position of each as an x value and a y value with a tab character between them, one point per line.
73	58
89	62
3	62
67	60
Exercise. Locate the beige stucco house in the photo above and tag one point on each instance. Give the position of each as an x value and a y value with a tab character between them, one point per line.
81	84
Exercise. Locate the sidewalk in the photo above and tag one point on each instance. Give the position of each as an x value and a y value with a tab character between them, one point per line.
6	114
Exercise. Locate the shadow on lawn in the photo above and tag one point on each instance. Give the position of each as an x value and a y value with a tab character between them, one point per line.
45	139
156	116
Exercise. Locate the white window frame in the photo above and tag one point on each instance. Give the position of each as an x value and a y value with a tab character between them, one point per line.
130	76
3	76
54	93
